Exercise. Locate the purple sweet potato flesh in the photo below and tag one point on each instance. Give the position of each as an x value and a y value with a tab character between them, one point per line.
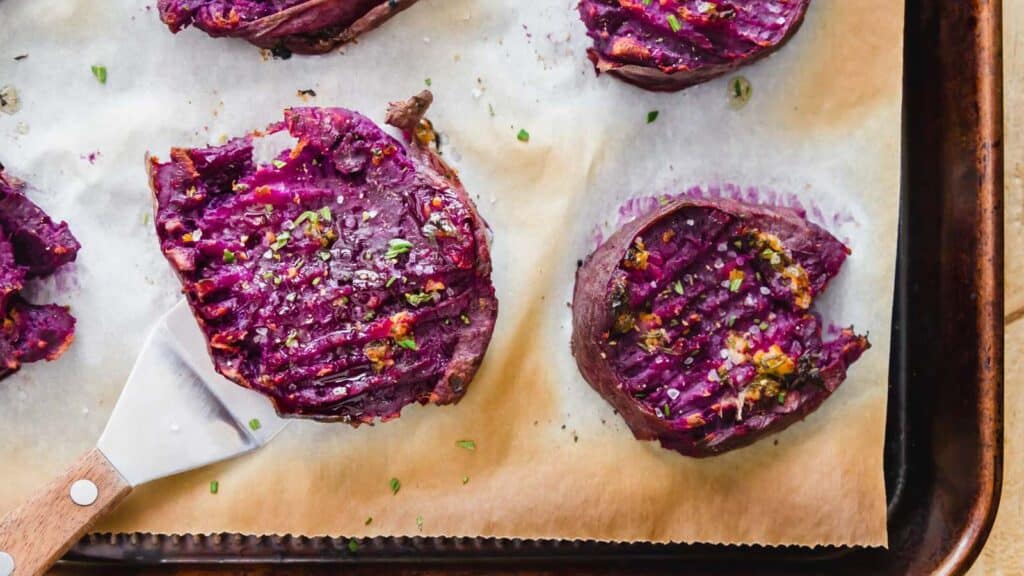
669	45
303	26
696	323
344	280
31	245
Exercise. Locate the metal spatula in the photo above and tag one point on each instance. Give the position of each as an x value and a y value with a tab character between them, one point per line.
175	414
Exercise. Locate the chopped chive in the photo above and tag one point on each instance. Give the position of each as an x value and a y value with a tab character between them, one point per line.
324	255
407	343
254	424
666	410
740	91
396	485
214	486
279	164
523	136
782	397
282	239
100	73
673	23
228	257
397	246
353	546
307	215
465	479
428	82
369	520
390	282
467	444
678	287
418	298
325	213
419	523
652	116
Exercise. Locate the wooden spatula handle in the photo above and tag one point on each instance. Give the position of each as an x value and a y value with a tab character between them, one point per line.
38	533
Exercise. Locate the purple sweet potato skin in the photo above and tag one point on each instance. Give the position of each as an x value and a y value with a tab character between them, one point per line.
31	245
702	334
346	280
302	26
668	45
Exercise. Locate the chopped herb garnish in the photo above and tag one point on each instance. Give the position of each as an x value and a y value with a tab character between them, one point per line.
740	91
254	424
325	213
396	485
397	246
763	326
390	282
307	92
292	340
464	318
666	410
467	444
465	479
407	343
419	298
282	240
673	23
228	257
307	215
523	136
419	523
677	286
324	255
427	81
353	546
369	520
317	280
214	486
652	116
735	280
279	164
782	397
100	73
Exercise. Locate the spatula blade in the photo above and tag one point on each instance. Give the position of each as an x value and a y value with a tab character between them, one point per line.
176	413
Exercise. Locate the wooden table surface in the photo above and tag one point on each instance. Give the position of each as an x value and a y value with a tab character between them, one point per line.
1004	553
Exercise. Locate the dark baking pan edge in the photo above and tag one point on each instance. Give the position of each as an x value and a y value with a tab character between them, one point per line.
944	428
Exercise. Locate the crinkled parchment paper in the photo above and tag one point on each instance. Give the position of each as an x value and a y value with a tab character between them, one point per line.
552	460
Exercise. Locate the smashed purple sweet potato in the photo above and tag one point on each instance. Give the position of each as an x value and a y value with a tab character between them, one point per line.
345	280
31	245
301	26
696	323
668	45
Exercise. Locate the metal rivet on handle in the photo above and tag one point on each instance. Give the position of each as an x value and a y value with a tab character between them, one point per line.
84	492
6	564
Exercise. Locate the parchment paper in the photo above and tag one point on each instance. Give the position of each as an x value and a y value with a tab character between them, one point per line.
552	460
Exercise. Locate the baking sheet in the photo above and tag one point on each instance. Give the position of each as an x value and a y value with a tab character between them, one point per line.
552	460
